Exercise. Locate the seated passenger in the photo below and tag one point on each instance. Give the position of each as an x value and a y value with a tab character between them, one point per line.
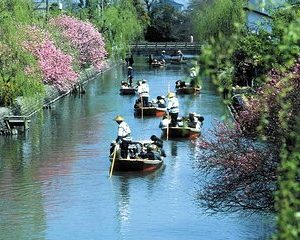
177	84
159	143
194	121
182	84
161	102
164	123
138	103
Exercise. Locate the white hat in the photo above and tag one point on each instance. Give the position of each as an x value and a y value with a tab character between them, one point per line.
130	67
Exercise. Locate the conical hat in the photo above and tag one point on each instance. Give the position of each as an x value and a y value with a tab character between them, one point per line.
170	95
119	118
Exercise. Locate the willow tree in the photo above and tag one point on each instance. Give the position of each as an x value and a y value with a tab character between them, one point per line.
120	25
120	22
15	63
220	15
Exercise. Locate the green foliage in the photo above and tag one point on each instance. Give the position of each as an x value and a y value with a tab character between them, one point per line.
232	57
118	22
166	24
120	26
15	63
221	16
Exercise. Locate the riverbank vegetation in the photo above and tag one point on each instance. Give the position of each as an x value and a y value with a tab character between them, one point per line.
257	167
38	50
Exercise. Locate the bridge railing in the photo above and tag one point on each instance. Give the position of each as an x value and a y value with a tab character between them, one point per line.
167	46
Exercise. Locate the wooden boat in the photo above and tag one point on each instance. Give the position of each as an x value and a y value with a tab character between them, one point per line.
127	90
181	132
150	111
188	90
158	64
133	162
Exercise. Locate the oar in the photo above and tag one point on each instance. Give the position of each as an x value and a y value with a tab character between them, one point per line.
113	161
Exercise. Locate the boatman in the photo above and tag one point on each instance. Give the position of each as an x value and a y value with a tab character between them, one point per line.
173	108
130	75
124	137
143	91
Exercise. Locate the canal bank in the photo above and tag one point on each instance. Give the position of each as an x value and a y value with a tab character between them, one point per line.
55	179
18	117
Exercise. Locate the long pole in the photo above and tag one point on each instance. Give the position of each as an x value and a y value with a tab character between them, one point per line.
168	114
142	108
113	161
168	129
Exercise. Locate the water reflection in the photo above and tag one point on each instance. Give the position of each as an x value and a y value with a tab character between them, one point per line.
123	182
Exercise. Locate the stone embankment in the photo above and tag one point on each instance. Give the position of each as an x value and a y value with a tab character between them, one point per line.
25	108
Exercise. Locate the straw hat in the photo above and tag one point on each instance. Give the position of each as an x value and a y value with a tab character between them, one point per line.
170	95
119	118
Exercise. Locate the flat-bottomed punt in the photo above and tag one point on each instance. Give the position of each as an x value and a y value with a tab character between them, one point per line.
134	161
127	91
188	90
150	111
181	132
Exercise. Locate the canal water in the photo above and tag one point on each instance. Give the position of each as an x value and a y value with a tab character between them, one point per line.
54	180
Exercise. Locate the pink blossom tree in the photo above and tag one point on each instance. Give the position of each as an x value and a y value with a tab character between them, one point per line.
242	172
85	38
56	67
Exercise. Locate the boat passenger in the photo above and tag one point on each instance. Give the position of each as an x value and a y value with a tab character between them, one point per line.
173	108
124	137
161	102
159	143
163	56
151	153
124	84
180	56
164	123
193	72
193	121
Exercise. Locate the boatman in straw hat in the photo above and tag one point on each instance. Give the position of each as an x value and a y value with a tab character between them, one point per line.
124	137
173	108
130	75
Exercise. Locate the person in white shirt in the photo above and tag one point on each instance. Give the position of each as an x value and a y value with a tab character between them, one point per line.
143	91
164	123
173	108
124	137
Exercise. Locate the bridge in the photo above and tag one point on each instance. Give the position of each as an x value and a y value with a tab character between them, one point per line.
169	47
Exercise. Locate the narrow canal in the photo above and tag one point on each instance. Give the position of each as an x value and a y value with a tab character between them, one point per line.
54	180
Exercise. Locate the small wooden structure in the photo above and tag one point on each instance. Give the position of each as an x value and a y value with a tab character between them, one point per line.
17	121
